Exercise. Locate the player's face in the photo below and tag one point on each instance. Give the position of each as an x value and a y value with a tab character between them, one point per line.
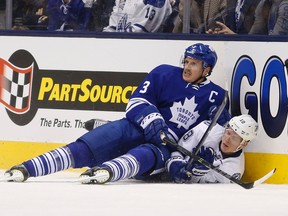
193	70
230	141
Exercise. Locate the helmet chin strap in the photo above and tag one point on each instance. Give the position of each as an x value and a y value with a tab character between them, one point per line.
201	77
197	81
242	145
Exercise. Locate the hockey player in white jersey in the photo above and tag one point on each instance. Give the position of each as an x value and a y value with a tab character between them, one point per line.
170	100
222	148
139	15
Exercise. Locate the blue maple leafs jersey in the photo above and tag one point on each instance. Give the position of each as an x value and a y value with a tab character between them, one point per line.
182	105
71	16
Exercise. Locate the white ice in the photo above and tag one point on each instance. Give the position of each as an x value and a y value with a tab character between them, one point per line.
60	195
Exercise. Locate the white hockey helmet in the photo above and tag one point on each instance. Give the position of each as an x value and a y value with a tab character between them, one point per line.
245	126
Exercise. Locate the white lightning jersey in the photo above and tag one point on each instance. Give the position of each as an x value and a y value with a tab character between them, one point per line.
138	15
233	165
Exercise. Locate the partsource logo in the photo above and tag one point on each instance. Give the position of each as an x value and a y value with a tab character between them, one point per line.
24	88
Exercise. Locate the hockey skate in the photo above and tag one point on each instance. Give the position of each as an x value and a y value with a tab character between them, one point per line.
96	175
17	173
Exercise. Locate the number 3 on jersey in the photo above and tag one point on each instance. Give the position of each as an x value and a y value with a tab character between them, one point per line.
145	87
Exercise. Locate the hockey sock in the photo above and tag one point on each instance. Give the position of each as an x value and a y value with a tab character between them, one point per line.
138	161
81	153
50	162
123	167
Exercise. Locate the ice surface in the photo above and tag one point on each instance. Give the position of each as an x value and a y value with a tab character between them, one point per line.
59	194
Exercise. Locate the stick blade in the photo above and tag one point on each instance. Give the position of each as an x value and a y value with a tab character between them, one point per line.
265	177
250	185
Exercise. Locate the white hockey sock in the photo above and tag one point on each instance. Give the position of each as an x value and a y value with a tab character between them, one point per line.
50	162
123	167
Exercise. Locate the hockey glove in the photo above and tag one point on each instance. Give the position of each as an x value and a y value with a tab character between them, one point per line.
176	167
153	132
224	116
153	125
198	169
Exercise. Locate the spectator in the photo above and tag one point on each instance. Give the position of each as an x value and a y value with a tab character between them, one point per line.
2	5
69	15
271	18
171	20
101	12
29	14
203	14
241	15
139	15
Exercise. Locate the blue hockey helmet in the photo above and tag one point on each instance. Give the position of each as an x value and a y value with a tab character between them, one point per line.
203	52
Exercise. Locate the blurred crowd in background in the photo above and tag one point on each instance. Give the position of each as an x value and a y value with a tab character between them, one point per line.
266	17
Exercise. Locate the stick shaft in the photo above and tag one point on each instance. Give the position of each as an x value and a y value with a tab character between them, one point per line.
212	124
246	185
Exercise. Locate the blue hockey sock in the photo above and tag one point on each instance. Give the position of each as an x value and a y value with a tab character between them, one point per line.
136	162
123	167
76	155
50	162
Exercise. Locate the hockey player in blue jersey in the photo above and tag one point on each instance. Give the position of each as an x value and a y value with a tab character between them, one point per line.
170	100
222	148
69	15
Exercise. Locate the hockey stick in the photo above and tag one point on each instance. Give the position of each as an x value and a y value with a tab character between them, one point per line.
246	185
212	124
94	123
80	180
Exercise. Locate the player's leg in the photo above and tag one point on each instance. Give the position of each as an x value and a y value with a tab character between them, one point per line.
138	162
113	139
53	161
102	144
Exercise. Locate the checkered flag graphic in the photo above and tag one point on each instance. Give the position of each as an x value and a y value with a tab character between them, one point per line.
15	86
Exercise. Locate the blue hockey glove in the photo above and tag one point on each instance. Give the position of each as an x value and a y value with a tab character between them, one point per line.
153	125
198	169
176	167
153	132
224	116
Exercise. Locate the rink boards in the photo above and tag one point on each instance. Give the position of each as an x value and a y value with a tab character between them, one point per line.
66	85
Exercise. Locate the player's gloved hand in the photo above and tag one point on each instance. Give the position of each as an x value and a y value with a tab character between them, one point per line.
224	116
199	169
178	173
153	125
153	132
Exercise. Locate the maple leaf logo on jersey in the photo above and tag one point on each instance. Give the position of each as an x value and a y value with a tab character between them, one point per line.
184	115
